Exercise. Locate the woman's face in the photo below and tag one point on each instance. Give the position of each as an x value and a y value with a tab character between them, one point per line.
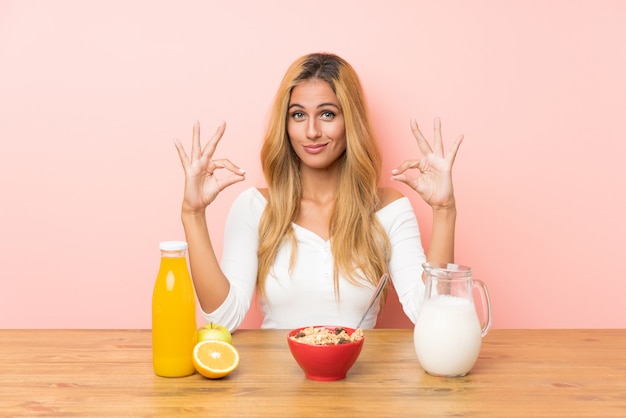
315	124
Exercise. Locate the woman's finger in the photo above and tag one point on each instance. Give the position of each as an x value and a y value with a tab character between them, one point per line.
455	147
184	160
211	146
421	141
438	142
234	174
195	141
227	164
406	165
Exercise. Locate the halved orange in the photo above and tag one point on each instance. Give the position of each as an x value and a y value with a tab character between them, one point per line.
215	359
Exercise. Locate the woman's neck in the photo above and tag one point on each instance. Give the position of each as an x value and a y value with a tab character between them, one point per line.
320	186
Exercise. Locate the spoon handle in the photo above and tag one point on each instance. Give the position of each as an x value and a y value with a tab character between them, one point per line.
379	290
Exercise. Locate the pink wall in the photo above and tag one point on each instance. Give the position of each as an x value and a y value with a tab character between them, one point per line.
92	94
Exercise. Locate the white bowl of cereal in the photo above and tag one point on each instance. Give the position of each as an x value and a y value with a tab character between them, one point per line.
325	352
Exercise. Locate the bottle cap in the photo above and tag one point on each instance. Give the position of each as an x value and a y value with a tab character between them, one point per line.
173	245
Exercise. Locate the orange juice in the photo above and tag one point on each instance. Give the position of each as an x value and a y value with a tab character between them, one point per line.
174	329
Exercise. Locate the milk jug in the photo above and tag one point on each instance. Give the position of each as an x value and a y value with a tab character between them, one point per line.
448	332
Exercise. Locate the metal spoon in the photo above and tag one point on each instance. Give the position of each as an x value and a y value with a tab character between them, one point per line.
375	296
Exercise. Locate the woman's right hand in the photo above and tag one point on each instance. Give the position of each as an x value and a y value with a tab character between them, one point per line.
201	183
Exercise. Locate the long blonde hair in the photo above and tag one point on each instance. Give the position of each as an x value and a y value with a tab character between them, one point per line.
360	245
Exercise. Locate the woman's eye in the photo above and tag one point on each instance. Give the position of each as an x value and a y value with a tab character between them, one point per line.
297	115
327	114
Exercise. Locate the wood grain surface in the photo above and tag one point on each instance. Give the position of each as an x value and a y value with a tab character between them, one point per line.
108	373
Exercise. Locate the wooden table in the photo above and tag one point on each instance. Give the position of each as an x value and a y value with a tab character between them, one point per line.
108	373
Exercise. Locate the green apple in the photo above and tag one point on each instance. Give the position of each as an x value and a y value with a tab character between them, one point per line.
213	331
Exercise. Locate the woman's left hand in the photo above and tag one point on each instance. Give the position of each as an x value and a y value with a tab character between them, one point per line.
434	181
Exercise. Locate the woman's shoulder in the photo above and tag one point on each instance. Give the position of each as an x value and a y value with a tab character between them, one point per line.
395	210
250	199
387	196
254	193
263	191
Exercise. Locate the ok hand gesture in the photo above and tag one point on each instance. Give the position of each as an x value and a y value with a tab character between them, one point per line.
434	181
201	182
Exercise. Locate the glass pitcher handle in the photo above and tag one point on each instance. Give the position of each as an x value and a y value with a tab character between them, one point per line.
485	304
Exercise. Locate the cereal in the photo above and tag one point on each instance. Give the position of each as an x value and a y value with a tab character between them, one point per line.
326	336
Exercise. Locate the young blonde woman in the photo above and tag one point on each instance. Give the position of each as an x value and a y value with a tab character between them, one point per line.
315	242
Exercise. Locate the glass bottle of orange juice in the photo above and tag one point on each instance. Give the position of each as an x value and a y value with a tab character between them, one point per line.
174	329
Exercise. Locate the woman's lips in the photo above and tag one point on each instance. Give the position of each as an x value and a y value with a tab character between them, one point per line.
315	149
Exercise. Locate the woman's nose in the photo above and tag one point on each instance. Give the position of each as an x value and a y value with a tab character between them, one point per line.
313	129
